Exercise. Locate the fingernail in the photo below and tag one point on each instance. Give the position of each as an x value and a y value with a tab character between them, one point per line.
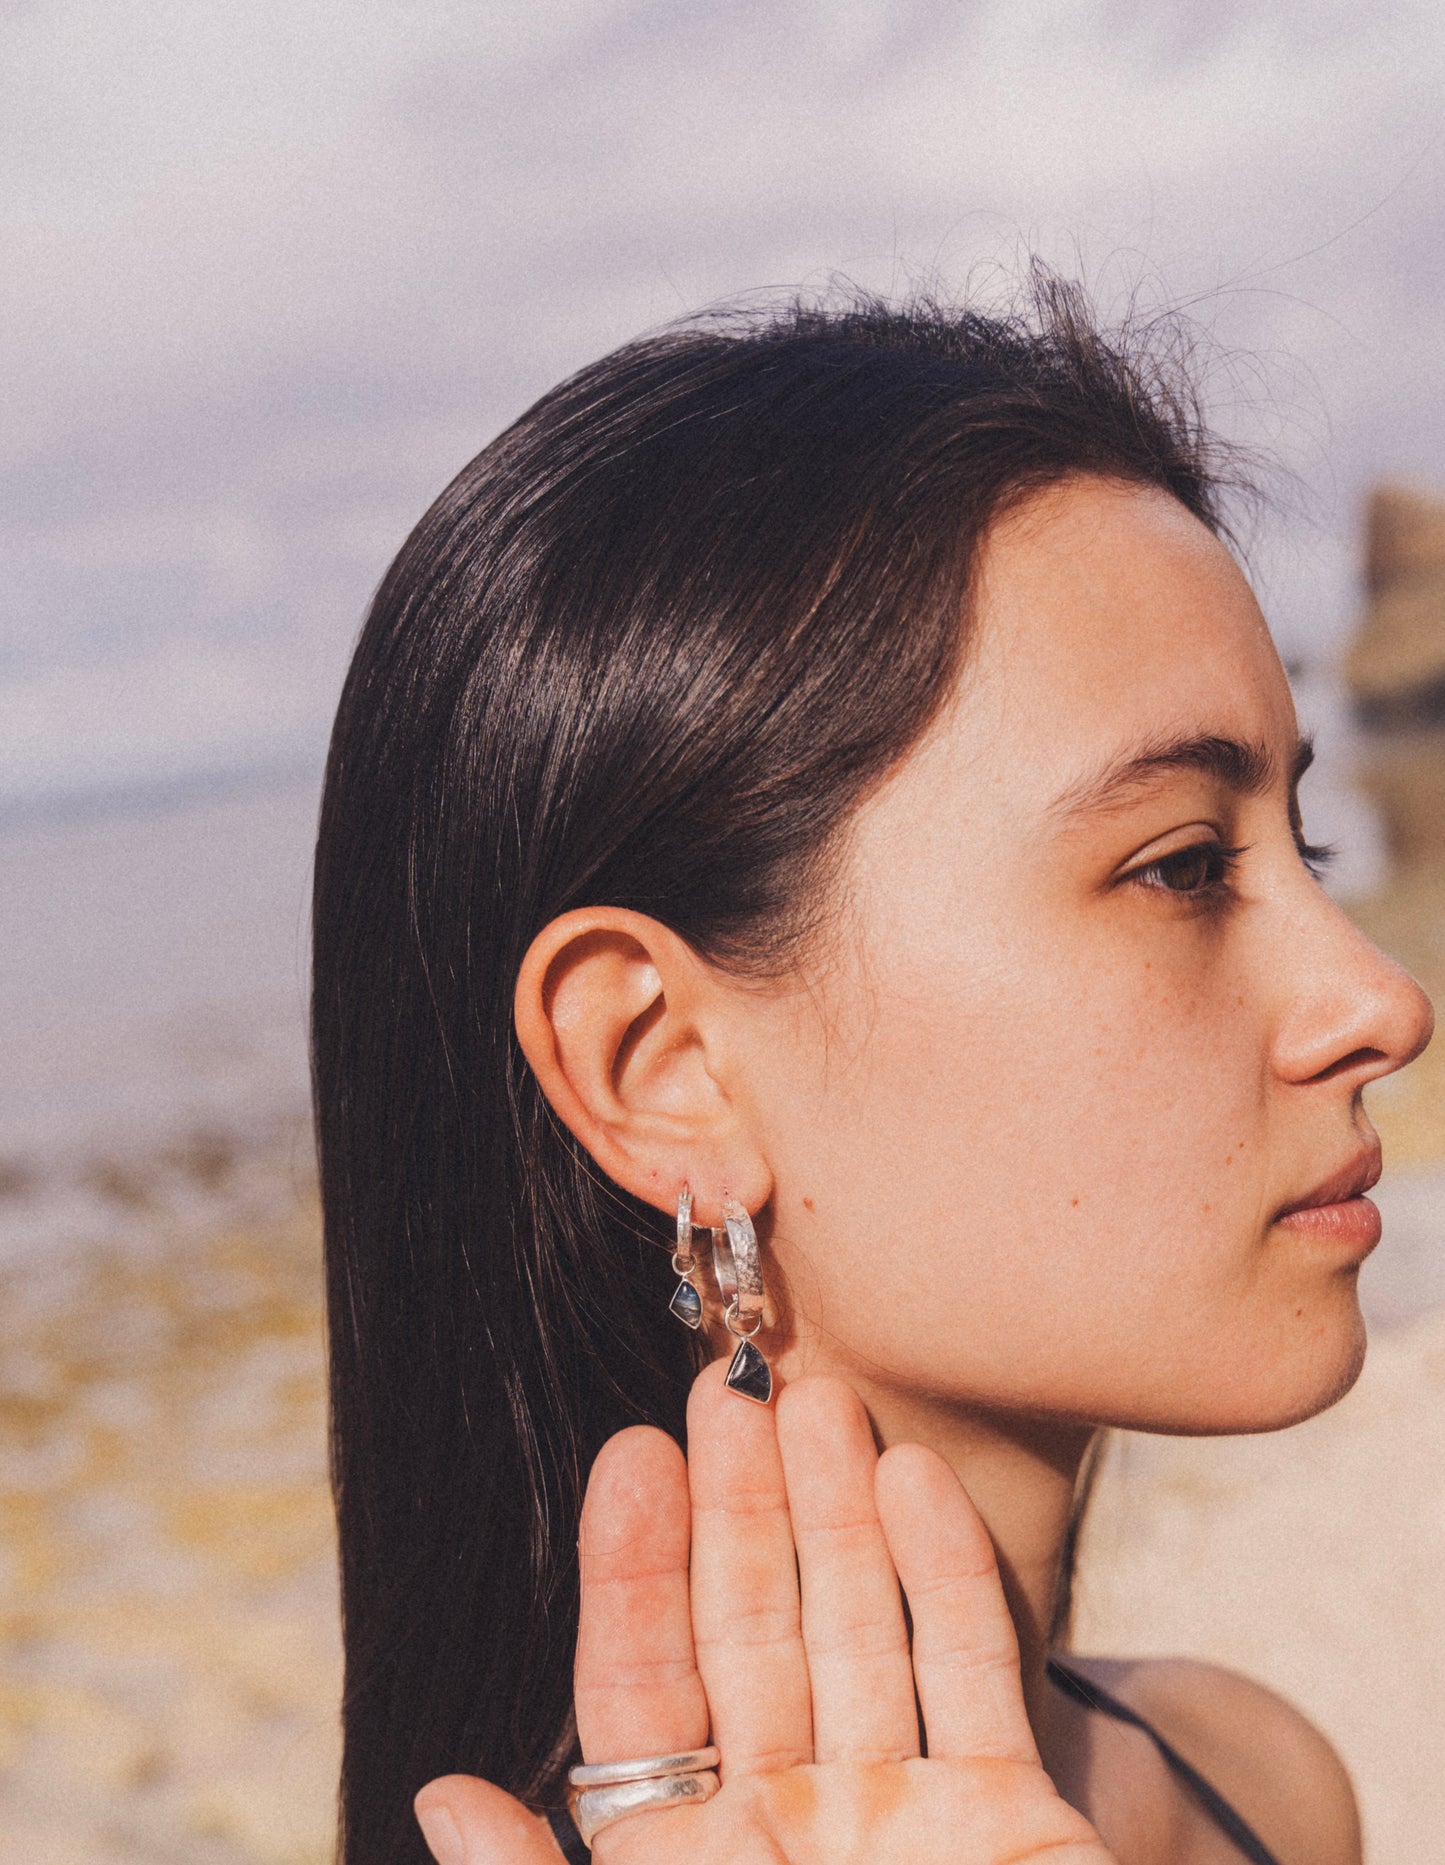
439	1830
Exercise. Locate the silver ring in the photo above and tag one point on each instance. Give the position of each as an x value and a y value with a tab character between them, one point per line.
593	1808
611	1773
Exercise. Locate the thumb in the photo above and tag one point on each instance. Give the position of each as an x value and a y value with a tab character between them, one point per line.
470	1822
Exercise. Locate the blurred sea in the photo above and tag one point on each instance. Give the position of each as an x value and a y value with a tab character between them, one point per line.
153	1003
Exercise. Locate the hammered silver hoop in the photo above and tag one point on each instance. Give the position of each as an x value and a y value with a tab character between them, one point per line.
738	1266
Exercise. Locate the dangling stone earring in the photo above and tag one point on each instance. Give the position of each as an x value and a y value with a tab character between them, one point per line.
738	1266
686	1303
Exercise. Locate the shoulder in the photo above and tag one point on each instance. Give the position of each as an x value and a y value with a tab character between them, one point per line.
1267	1759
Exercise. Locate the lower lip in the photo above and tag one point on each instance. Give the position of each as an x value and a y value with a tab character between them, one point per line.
1354	1223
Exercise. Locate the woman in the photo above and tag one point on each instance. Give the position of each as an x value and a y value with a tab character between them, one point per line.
822	779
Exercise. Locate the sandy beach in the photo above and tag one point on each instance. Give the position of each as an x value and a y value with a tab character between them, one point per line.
171	1655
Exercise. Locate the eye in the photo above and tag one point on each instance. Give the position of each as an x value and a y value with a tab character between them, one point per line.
1191	872
1316	856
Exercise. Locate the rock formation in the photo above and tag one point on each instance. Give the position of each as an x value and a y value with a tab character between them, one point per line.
1396	675
1396	672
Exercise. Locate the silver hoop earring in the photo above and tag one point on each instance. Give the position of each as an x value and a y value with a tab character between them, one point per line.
738	1266
686	1303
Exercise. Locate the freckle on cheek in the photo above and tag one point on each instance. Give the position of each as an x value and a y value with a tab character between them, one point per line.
807	1204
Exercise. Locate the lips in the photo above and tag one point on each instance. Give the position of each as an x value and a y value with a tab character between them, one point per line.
1336	1216
1351	1181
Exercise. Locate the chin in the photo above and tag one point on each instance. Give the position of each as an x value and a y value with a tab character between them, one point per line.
1261	1378
1334	1377
1297	1379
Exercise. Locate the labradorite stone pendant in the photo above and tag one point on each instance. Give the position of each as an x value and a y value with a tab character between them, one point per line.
686	1304
750	1375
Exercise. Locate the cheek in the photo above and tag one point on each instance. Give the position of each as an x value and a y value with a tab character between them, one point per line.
1140	1095
1067	1092
1071	1149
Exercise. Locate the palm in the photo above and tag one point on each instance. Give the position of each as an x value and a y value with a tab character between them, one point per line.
927	1812
751	1597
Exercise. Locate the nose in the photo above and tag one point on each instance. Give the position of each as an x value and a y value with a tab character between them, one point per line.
1351	1012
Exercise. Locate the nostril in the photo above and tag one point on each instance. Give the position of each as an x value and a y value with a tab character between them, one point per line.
1427	1026
1364	1062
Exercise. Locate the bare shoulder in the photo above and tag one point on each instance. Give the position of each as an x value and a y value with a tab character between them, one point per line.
1266	1758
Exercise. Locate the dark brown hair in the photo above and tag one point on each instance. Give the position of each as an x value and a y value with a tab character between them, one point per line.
650	649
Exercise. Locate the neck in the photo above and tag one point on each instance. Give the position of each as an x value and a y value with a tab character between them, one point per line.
1022	1476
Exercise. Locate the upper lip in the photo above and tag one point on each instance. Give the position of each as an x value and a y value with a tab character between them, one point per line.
1351	1181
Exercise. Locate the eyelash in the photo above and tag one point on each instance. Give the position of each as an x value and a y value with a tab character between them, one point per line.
1221	860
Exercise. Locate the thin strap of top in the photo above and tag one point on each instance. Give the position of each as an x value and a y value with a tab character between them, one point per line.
1213	1802
1234	1828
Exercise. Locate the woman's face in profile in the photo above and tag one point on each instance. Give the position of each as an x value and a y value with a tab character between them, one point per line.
1042	1123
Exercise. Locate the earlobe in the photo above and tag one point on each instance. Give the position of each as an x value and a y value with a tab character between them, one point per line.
624	1027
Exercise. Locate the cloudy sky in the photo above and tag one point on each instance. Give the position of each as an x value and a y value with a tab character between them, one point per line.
274	271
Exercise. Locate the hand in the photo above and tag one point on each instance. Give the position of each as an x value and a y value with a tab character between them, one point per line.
785	1644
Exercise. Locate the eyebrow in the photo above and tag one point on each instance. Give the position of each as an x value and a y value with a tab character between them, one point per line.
1248	769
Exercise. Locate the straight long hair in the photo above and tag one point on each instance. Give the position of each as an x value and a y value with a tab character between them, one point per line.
650	649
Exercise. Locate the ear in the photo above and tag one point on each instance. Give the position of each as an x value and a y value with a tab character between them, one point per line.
627	1031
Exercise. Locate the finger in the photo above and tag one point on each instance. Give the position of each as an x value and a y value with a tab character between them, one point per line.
637	1687
745	1612
470	1822
853	1628
965	1649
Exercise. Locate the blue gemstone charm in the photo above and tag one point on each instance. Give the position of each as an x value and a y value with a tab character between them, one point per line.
750	1375
686	1304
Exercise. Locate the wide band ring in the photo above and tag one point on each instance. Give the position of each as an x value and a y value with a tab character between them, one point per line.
611	1773
596	1807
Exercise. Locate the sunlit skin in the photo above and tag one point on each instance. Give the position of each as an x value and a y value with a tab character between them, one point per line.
1059	1125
